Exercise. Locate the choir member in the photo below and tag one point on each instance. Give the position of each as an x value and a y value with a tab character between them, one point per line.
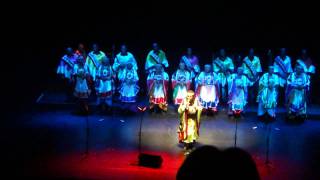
208	85
157	83
81	90
105	85
154	57
252	69
238	92
181	80
94	59
223	66
191	62
268	94
128	84
298	84
65	71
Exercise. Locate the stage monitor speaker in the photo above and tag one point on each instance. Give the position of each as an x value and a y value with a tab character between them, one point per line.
149	160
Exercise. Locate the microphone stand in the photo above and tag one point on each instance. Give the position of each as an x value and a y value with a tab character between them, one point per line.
141	109
87	136
86	153
236	117
236	132
268	163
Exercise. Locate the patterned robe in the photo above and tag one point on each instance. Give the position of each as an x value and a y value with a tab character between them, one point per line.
268	94
252	68
81	89
153	59
158	88
309	69
93	62
66	66
208	85
283	68
123	60
238	92
104	84
223	68
129	85
296	93
192	64
180	84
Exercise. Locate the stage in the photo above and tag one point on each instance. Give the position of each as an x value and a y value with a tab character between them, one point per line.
46	140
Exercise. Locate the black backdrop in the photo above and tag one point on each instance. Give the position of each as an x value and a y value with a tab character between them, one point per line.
36	34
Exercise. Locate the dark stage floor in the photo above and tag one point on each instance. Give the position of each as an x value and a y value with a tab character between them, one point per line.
48	141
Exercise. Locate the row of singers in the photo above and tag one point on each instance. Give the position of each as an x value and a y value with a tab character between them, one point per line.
218	81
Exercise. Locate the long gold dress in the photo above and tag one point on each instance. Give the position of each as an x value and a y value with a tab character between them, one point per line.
189	121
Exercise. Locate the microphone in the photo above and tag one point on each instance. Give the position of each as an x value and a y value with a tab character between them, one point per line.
142	109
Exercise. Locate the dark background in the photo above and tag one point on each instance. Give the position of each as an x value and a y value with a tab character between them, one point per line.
36	34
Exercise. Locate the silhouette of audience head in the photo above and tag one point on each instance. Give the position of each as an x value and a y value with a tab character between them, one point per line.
238	164
202	162
208	162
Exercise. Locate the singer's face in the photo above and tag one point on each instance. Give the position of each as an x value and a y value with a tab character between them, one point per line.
69	51
283	52
271	70
155	46
304	52
189	51
222	52
182	66
251	52
207	69
189	96
123	49
95	48
81	46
